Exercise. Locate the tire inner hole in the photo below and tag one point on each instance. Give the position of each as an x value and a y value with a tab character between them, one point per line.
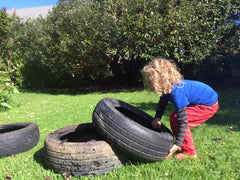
83	135
135	117
10	129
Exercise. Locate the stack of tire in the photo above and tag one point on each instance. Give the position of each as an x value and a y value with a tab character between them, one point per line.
117	131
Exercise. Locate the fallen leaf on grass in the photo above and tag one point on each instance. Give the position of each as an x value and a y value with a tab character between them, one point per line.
231	130
4	169
47	178
8	177
43	130
66	177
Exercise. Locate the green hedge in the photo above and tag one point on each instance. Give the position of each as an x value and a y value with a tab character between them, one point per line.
85	42
7	90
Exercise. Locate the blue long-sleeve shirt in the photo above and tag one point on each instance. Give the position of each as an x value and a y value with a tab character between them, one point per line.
186	93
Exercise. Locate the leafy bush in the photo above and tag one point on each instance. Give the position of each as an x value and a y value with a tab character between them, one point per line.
66	48
186	31
6	91
82	42
224	71
11	56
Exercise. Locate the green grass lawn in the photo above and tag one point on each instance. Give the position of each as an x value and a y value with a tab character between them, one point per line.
217	141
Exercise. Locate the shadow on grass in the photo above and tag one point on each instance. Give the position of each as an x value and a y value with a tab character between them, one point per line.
133	160
40	159
83	90
126	158
229	105
226	117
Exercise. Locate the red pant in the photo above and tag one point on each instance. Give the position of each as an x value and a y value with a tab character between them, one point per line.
196	115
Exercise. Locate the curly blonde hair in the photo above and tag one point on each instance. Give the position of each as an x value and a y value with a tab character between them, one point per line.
160	75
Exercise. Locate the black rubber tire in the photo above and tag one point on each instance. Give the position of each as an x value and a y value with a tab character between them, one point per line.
18	137
130	128
79	150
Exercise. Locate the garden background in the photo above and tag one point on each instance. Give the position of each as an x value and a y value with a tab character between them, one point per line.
93	48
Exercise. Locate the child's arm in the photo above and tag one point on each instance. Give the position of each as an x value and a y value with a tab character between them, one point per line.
159	112
162	104
182	125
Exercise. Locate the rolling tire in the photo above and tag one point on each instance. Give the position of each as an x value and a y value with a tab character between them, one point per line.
79	150
18	137
130	129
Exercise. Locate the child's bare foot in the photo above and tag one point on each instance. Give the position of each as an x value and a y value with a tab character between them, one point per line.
182	156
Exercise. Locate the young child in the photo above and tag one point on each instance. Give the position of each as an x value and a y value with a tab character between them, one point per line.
194	102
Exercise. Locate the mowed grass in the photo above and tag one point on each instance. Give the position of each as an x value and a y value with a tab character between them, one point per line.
217	141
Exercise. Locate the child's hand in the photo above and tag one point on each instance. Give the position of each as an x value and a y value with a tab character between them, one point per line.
173	149
156	123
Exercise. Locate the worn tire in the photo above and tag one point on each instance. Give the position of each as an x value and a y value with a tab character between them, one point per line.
79	150
18	137
130	128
